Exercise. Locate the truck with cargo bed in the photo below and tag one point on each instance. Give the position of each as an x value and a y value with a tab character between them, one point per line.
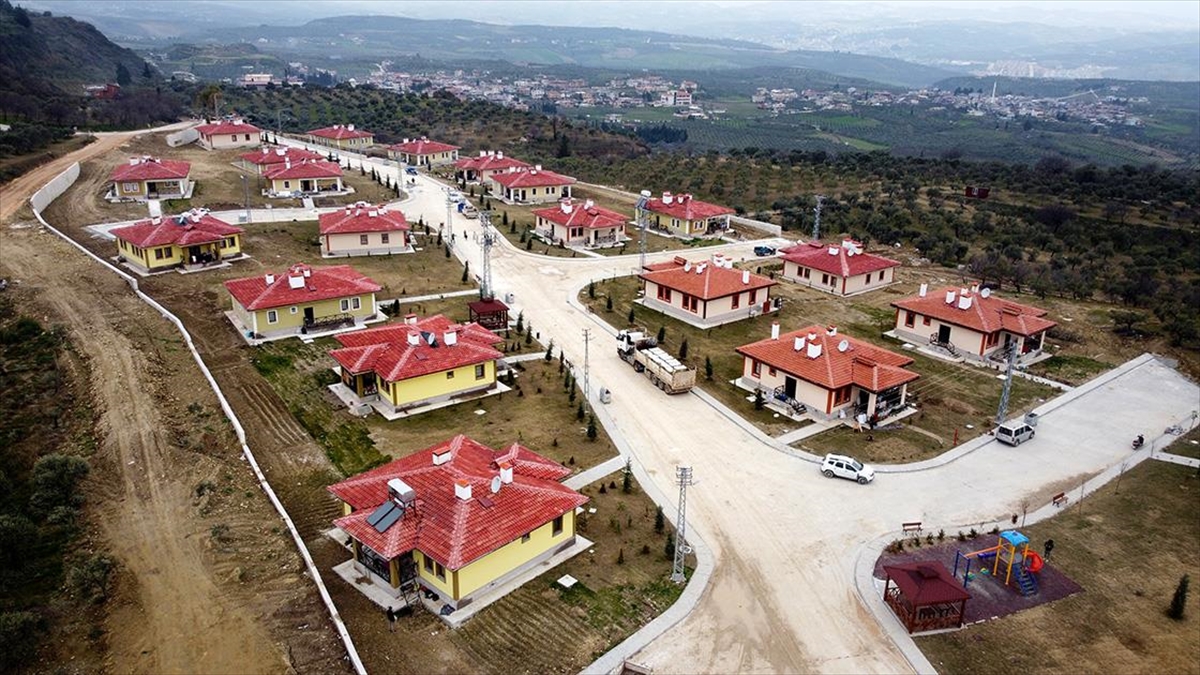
665	371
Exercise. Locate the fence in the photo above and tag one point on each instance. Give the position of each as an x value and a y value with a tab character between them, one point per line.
39	201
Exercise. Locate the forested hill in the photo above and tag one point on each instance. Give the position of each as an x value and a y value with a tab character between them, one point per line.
44	54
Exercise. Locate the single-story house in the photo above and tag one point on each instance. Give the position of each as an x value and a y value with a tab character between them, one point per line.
972	323
419	362
191	239
479	169
307	177
150	178
265	158
706	293
827	373
342	137
457	519
531	186
580	224
423	152
228	134
683	216
364	229
842	270
302	300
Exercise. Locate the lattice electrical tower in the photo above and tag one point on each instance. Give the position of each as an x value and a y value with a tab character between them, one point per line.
683	477
1002	411
643	222
487	239
817	218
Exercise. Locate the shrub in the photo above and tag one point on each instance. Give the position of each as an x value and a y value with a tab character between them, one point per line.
708	368
608	303
645	549
627	478
54	481
591	427
621	556
19	632
660	520
669	548
683	349
17	533
88	578
662	334
1179	600
941	535
896	546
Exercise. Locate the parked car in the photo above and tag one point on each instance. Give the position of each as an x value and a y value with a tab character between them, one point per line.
1014	433
410	170
454	196
841	466
468	210
764	250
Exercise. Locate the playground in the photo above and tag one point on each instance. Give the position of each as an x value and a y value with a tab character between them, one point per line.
1032	580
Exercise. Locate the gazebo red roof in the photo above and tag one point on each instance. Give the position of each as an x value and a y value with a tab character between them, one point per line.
926	583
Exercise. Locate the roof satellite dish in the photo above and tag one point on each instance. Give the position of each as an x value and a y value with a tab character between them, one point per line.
843	345
495	484
985	293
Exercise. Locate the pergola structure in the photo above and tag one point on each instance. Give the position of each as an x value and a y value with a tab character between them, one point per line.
490	313
924	596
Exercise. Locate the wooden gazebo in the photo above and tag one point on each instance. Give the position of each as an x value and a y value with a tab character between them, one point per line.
924	596
489	313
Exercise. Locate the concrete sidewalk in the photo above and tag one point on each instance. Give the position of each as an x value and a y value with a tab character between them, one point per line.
579	480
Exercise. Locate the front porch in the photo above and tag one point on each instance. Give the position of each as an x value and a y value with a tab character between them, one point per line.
307	333
362	397
318	187
607	238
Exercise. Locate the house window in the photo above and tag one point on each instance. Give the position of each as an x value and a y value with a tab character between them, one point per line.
807	273
158	254
439	570
925	320
383	238
737	301
479	371
841	395
287	185
868	277
825	278
356	303
753	295
449	374
557	527
428	563
755	368
272	316
362	240
909	319
664	293
292	310
247	136
771	371
525	537
129	187
345	305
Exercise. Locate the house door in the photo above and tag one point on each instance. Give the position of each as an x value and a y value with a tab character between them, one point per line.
309	317
194	254
789	387
944	333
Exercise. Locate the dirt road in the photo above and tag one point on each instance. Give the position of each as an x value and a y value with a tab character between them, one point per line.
208	581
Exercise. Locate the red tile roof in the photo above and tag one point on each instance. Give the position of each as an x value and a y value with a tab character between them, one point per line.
496	162
362	217
388	352
150	168
186	229
572	213
340	132
703	279
422	146
846	259
269	156
312	284
862	364
531	178
305	169
227	127
684	207
985	315
926	583
453	531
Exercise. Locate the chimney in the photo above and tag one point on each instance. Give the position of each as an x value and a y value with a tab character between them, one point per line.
949	297
483	153
587	205
537	167
287	163
296	282
410	319
667	198
349	127
156	220
814	350
450	338
832	331
566	206
401	492
462	489
414	338
267	151
774	330
134	161
440	458
499	155
506	472
798	344
812	337
406	140
687	266
924	290
964	302
745	277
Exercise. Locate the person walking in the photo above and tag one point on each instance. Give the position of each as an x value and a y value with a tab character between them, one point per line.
391	617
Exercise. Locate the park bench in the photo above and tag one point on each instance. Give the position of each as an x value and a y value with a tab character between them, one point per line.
912	527
1060	499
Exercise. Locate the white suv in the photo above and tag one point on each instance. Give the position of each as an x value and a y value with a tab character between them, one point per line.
842	466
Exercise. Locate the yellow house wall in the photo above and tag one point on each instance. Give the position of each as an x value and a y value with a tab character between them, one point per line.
244	315
293	184
446	587
130	188
512	555
321	310
437	384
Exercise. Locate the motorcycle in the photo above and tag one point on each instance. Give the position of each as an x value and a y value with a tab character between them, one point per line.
1138	442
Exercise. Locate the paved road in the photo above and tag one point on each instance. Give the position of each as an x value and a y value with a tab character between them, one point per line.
785	539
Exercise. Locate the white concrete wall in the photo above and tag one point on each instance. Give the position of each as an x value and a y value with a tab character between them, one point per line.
54	189
183	137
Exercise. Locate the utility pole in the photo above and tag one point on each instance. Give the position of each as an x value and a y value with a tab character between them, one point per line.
642	222
683	477
1002	411
817	218
246	191
486	241
587	338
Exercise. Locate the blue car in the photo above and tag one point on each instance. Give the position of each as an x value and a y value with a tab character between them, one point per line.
411	170
764	250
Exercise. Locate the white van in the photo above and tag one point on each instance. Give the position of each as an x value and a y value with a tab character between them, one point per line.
1014	433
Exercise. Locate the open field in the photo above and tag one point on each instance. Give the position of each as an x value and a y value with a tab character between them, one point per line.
954	400
1127	545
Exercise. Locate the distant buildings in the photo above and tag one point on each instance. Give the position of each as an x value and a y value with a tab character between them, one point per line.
423	152
706	293
684	216
227	134
841	269
149	177
342	137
